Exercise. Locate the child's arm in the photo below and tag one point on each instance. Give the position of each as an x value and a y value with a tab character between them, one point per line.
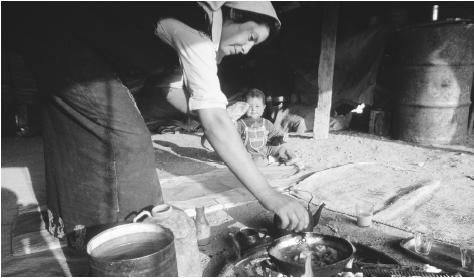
275	136
276	140
241	130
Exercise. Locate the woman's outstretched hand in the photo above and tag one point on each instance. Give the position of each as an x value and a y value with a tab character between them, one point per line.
293	215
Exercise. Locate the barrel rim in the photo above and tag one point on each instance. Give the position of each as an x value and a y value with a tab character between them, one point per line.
104	236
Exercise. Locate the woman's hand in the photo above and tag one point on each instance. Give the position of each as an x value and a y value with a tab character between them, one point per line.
292	214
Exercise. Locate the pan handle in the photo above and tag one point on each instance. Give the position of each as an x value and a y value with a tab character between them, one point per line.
141	215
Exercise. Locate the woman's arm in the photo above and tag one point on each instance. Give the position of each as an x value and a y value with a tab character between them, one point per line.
223	136
198	58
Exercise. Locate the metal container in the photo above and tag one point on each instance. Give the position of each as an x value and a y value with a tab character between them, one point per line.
136	249
283	249
432	78
184	232
379	122
248	239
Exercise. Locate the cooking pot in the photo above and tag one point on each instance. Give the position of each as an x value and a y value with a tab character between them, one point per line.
284	249
135	249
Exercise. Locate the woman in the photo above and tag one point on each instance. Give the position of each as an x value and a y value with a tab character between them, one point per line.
98	153
235	28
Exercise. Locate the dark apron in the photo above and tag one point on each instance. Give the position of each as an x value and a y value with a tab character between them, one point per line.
99	158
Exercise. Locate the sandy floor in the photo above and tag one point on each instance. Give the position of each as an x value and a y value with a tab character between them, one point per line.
451	164
340	148
447	212
181	154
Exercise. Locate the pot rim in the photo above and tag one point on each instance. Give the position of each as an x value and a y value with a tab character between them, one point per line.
293	264
126	229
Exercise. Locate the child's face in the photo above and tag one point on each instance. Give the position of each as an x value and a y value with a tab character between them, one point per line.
256	107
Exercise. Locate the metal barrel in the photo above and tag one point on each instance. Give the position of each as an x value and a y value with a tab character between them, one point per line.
136	249
432	79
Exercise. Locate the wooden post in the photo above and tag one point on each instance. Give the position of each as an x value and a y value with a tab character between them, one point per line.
326	70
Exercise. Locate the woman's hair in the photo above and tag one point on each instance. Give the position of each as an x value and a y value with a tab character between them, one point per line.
255	93
242	16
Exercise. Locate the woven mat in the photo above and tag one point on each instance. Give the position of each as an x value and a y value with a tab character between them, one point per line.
219	189
403	198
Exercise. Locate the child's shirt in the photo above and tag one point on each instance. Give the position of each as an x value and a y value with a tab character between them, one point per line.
255	134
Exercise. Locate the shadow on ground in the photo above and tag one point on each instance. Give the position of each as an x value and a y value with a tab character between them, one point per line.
181	161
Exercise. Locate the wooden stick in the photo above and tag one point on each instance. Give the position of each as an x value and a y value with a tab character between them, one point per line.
410	201
326	70
470	128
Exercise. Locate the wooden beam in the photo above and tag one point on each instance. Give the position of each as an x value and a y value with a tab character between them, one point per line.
326	70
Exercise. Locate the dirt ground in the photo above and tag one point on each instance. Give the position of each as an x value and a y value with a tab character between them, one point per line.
183	155
340	148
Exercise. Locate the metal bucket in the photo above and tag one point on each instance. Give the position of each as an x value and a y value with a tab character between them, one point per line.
136	249
432	79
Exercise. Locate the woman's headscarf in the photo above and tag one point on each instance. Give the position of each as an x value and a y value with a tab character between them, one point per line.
260	7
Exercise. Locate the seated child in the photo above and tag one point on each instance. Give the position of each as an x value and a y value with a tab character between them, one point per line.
260	137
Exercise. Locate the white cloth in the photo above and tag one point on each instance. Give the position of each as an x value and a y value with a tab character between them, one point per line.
197	55
260	7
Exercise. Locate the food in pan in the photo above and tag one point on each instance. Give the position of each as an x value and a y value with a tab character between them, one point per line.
322	255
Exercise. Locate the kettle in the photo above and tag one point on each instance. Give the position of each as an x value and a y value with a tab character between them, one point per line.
313	221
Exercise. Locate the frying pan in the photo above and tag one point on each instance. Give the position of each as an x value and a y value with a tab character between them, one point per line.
284	259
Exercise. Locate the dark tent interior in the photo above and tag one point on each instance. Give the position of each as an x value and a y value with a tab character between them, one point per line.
122	33
399	130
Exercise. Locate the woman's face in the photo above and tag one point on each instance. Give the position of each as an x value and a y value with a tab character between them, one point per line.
239	38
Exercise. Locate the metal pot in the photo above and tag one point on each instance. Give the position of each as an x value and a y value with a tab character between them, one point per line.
136	249
248	239
284	249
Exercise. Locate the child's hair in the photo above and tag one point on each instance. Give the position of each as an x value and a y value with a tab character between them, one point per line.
255	93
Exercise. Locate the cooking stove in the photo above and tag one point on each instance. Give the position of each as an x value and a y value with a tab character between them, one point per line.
372	263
